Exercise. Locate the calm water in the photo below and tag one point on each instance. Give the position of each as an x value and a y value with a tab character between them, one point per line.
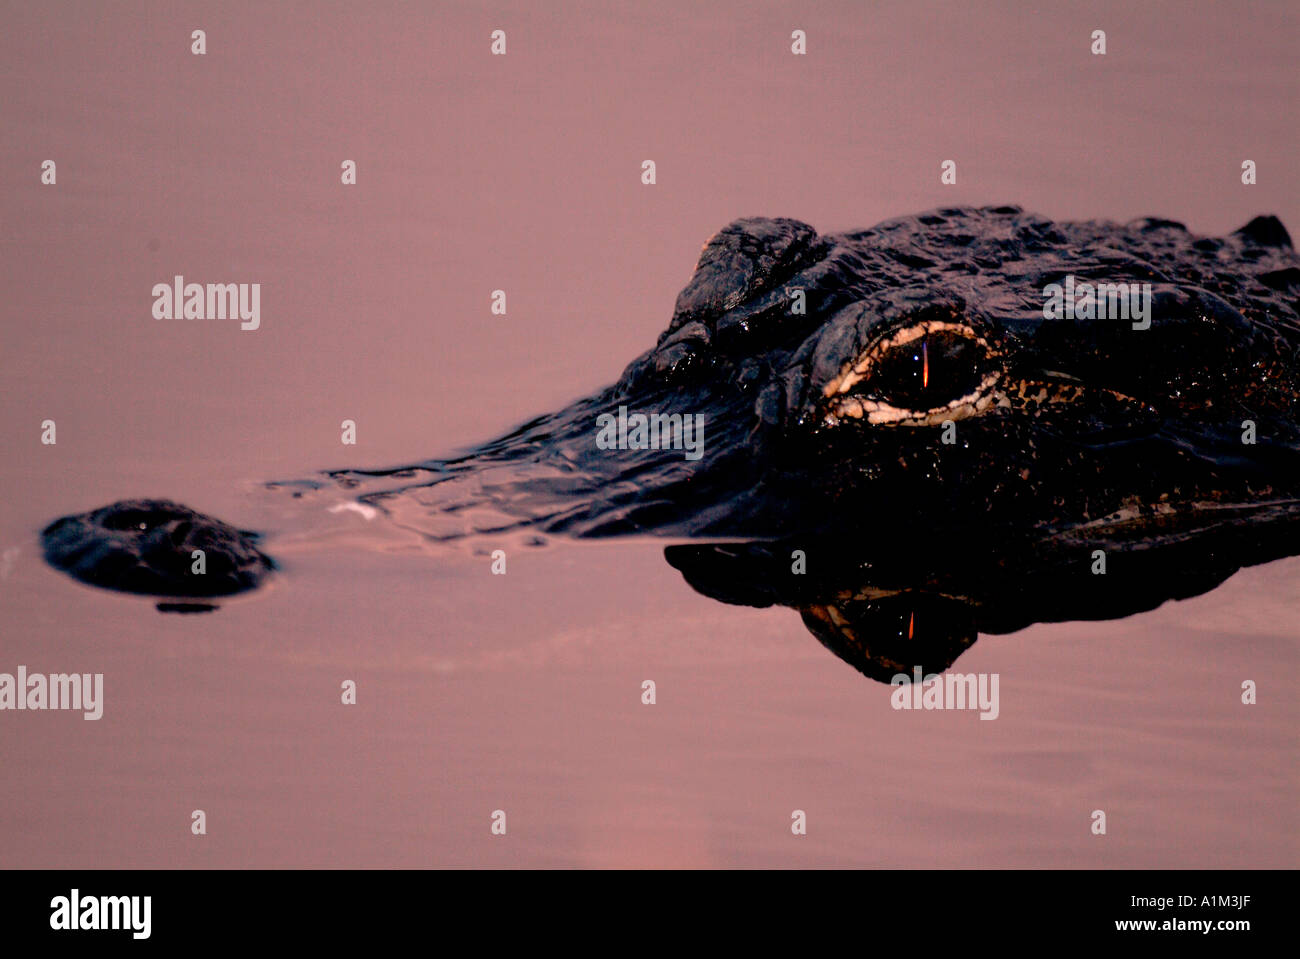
522	693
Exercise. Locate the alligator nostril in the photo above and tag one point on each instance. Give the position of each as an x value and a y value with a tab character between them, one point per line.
125	520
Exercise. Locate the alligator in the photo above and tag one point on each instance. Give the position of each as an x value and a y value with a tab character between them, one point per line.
902	439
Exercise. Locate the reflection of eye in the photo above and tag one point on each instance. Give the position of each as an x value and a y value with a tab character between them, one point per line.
920	375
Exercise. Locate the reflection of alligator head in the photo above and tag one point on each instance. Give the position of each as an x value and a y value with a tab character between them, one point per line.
898	394
887	610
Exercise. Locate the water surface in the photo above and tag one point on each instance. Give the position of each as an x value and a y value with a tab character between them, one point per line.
522	692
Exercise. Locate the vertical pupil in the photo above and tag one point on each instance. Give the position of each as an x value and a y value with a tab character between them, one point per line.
916	368
929	370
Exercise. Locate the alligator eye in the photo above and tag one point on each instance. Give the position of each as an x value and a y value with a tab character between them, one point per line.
917	376
931	370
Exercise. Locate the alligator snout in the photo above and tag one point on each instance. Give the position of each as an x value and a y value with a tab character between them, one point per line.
158	548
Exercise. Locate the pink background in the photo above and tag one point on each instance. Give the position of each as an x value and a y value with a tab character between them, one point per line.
523	173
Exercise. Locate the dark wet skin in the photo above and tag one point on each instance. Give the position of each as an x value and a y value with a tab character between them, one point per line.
148	546
830	370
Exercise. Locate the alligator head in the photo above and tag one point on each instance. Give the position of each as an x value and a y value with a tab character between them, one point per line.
965	390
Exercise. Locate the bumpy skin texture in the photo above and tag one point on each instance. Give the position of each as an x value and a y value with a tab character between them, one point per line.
828	369
1131	416
147	545
1086	417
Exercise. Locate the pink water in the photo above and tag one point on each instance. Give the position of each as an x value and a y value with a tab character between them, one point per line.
522	692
